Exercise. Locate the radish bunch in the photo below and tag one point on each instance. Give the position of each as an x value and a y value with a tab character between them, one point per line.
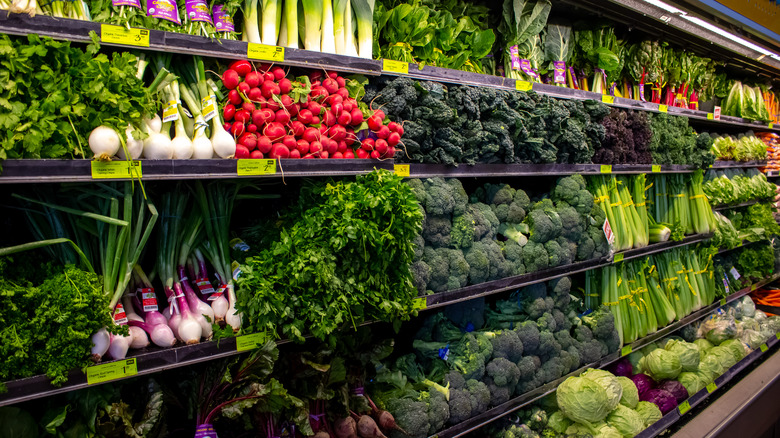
311	116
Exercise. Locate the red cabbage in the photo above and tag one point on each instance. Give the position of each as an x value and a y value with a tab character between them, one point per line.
622	368
643	383
661	398
675	388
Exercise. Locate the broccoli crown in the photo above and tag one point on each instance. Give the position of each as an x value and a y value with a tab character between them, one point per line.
479	263
459	269
585	247
439	264
480	396
560	289
551	369
535	257
437	230
485	221
497	194
555	253
543	221
561	321
546	322
459	405
440	197
411	415
601	322
548	346
421	275
438	410
498	265
463	229
454	380
507	345
571	222
470	354
503	372
513	253
591	351
573	191
527	367
529	335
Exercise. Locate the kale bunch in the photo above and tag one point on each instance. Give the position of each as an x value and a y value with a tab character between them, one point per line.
627	134
673	141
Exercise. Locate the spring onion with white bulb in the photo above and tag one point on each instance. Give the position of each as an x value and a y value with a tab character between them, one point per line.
154	324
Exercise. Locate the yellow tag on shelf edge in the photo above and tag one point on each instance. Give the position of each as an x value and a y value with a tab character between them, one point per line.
121	35
771	126
656	168
112	371
722	302
253	167
116	169
777	335
712	387
608	99
250	342
663	108
524	86
764	348
420	303
618	257
265	52
684	407
625	351
395	66
401	169
606	168
710	116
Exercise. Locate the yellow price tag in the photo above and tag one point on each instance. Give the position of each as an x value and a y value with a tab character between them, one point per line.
764	348
712	387
122	35
656	168
116	169
722	302
618	257
420	303
250	342
395	66
710	116
401	169
663	108
524	86
608	99
684	407
606	168
265	52
252	167
625	351
771	125
777	335
753	287
112	371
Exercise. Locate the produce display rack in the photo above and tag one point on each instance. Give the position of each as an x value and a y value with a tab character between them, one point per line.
732	206
57	171
516	403
742	245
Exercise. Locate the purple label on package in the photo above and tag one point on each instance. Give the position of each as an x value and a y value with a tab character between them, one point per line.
205	431
222	21
642	91
198	10
133	3
560	72
514	56
165	9
525	66
574	79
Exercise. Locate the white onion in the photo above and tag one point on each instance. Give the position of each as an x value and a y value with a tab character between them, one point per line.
134	147
139	338
155	123
232	317
201	144
104	142
100	342
158	146
119	346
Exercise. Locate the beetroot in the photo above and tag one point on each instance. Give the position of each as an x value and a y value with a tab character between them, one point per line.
387	421
367	428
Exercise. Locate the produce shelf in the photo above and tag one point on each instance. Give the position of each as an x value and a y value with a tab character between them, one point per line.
516	403
732	206
496	286
744	244
39	171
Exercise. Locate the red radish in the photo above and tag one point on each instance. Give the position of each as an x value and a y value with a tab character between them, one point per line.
264	144
329	118
374	123
249	140
256	154
315	147
323	129
298	128
265	66
343	92
315	108
344	119
228	112
311	134
275	131
381	114
285	85
278	73
315	75
253	78
290	142
234	97
337	109
367	145
375	155
348	107
227	126
357	117
280	151
258	118
315	120
308	156
251	127
381	147
269	88
330	85
393	139
303	146
287	101
400	130
349	155
332	74
242	116
393	126
318	93
248	106
351	138
231	79
272	105
324	154
330	145
244	87
383	132
268	76
334	99
390	152
268	115
342	147
237	129
293	109
342	83
295	153
362	153
241	67
338	132
337	154
242	151
256	95
282	117
304	116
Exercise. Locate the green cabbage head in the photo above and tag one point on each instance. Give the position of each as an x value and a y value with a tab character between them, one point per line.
649	412
582	400
558	422
626	420
687	352
610	384
630	395
661	364
691	381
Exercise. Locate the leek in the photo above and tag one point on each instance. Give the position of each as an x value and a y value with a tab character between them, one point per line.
311	11
290	23
251	22
328	38
340	28
364	12
272	14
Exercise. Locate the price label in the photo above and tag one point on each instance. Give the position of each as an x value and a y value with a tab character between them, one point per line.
656	168
209	105
710	116
764	348
684	407
250	342
753	287
608	234
735	274
716	113
265	52
618	258
116	169
170	112
253	167
771	125
663	108
395	66
606	168
112	371
608	99
722	302
524	86
401	169
712	387
420	303
777	335
121	35
625	351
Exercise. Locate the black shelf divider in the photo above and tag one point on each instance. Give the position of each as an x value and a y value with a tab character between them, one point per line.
732	206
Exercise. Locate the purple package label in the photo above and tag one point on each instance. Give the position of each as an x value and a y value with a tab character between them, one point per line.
222	21
205	431
198	10
165	9
559	75
642	92
133	3
514	56
525	66
574	79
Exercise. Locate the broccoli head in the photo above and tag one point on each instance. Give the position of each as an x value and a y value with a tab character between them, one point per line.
573	191
437	408
572	225
480	396
555	253
459	269
559	289
513	253
548	346
459	405
410	414
438	261
454	380
535	257
421	275
506	344
479	263
485	221
440	197
463	228
503	372
437	230
419	245
528	366
529	336
498	394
